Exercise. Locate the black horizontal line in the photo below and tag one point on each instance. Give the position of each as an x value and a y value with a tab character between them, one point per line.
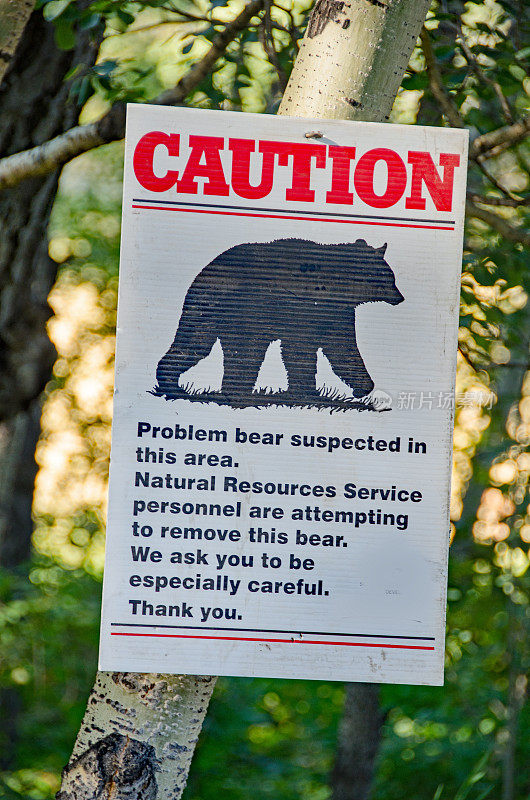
294	211
271	630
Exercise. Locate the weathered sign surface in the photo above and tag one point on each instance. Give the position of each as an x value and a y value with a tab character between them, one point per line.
283	413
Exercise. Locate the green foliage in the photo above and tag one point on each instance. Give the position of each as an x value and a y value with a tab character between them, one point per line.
48	647
274	738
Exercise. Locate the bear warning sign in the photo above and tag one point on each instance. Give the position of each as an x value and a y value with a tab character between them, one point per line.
287	336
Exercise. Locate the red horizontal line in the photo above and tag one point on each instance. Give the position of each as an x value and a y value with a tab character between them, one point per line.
286	641
286	216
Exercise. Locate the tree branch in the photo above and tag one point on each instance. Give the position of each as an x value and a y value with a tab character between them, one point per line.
465	355
495	142
481	75
506	229
480	162
267	42
111	127
509	202
488	144
436	83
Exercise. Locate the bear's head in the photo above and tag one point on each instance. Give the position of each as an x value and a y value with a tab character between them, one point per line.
352	272
368	277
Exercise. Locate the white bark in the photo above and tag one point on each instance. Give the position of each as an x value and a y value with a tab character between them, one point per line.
46	157
352	58
137	737
14	15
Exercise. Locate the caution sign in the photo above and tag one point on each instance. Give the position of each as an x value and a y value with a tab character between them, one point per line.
287	337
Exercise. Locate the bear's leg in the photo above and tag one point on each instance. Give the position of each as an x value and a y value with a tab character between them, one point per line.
301	369
347	363
187	350
242	359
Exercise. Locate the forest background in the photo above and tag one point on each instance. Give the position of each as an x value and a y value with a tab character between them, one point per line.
272	738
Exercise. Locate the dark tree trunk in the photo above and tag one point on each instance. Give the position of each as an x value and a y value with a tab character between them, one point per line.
358	743
18	437
34	107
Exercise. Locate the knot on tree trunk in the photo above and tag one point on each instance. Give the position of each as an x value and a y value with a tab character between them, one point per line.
114	768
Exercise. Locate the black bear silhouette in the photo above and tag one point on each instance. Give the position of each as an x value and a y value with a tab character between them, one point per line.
299	291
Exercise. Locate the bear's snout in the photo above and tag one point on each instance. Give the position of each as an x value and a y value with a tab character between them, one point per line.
396	297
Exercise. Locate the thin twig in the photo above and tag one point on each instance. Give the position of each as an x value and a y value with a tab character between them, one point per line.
488	144
509	202
485	79
293	31
451	111
479	161
466	358
495	142
267	41
506	229
436	83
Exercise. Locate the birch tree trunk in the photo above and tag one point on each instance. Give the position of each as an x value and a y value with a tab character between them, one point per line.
137	737
139	731
352	59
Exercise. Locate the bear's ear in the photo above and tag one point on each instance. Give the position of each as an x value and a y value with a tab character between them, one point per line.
382	250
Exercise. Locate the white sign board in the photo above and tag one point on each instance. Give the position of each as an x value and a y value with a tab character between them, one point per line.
287	336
